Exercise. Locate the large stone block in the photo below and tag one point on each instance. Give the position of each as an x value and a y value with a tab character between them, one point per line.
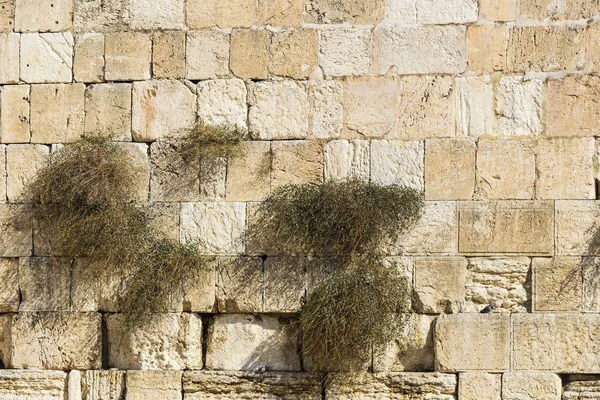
327	109
43	15
108	110
9	50
154	385
88	63
33	385
14	119
136	155
506	227
45	57
294	53
581	387
519	106
224	14
7	15
345	51
248	342
450	169
207	55
474	106
128	56
157	14
571	106
95	287
400	12
239	285
285	284
248	175
296	162
440	284
472	342
15	230
280	12
487	48
103	385
102	15
494	10
23	161
557	284
172	179
36	293
345	159
562	9
355	12
9	285
249	53
593	59
479	385
531	386
446	12
57	113
591	283
396	162
168	54
577	228
223	102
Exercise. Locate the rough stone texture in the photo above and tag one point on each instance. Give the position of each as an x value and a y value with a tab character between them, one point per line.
108	110
503	282
446	12
3	173
161	108
397	162
545	48
593	60
440	284
345	51
103	385
128	56
172	179
45	57
355	12
7	15
168	54
224	14
23	161
285	284
250	52
327	109
449	169
571	106
420	50
223	102
248	342
57	113
33	385
5	325
239	284
43	15
157	14
565	168
560	9
9	285
15	230
505	169
591	285
296	162
493	10
519	106
9	50
14	119
165	341
479	385
463	342
474	108
558	284
102	15
345	159
294	53
280	12
61	341
506	227
248	175
88	62
487	48
582	387
36	294
531	386
279	110
154	385
92	290
577	228
207	55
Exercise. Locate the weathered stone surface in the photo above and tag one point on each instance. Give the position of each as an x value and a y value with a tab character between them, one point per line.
14	119
577	228
397	162
531	386
248	175
15	230
296	162
45	57
168	54
415	385
591	283
137	156
5	325
128	56
248	342
506	227
103	385
581	387
88	63
446	12
23	161
9	50
43	15
93	287
327	109
33	385
466	342
157	14
3	173
479	385
279	110
239	285
561	9
294	53
172	179
161	108
519	106
420	50
487	48
207	55
220	226
165	341
593	59
9	285
285	282
61	341
474	106
102	15
345	51
108	110
565	168
558	284
250	52
545	48
224	14
154	385
280	12
346	159
355	12
503	282
36	293
571	106
7	15
238	385
57	113
223	102
449	169
505	169
440	284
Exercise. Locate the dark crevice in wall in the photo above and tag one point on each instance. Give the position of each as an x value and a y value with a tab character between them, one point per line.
206	320
105	361
324	377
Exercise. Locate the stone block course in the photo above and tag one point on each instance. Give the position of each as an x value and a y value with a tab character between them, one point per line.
531	385
128	56
249	53
450	169
168	54
207	55
294	53
108	110
57	113
44	57
14	119
88	62
479	385
440	284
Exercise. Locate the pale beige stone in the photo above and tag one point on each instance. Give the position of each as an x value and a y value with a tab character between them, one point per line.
23	161
136	155
279	109
593	59
45	57
249	53
3	197
546	48
581	387
294	53
474	106
440	284
207	55
487	48
95	287
345	51
223	102
128	56
103	385
108	110
446	12
14	119
239	285
15	230
557	284
518	106
506	227
558	9
7	15
505	169
43	15
591	283
280	12
395	162
102	15
449	169
33	385
565	168
494	10
577	228
9	285
57	113
344	159
9	51
168	54
248	175
327	109
285	283
355	12
88	63
296	162
571	105
221	13
157	14
36	293
164	341
248	342
162	108
400	12
61	341
154	385
479	385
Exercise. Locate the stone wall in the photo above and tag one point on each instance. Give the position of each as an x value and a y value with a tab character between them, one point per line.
490	107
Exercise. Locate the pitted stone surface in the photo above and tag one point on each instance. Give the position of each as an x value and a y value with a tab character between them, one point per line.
33	385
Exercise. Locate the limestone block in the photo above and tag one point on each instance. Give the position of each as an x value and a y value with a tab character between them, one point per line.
43	15
345	51
519	106
248	175
7	15
224	14
61	341
280	12
252	342
327	109
479	385
157	14
108	110
474	106
591	284
593	59
440	284
472	342
23	161
239	284
546	48
346	159
207	55
279	110
137	157
294	53
400	12
395	162
249	52
164	341
88	64
557	284
9	285
285	283
14	119
128	56
45	57
102	15
154	385
223	102
3	173
240	385
446	12
571	106
416	385
95	287
562	9
5	325
565	168
506	227
172	179
583	388
57	113
355	12
161	108
505	169
503	282
33	385
9	51
493	10
168	54
103	385
577	228
220	226
36	293
371	105
15	230
487	48
420	50
449	169
296	162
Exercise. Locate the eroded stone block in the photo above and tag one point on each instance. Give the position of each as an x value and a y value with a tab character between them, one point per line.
494	10
571	106
558	284
207	55
249	174
400	12
591	283
23	161
57	113
562	9
9	50
395	162
531	385
327	109
280	12
14	119
474	106
440	284
479	385
9	285
7	15
577	228
346	159
223	102
168	54
128	56
446	12
157	14
224	14
108	110
154	385
285	284
88	64
449	169
15	230
345	51
355	12
519	106
172	179
250	52
487	48
95	287
294	53
239	285
101	385
37	294
45	57
102	15
296	162
43	15
25	385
